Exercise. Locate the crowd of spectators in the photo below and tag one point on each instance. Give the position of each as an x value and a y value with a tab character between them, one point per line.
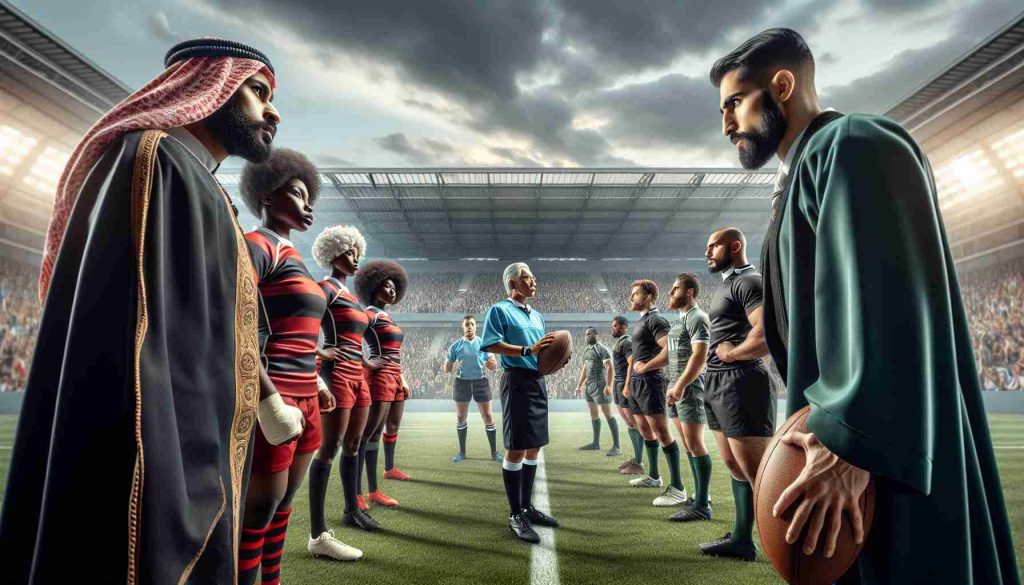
994	299
19	323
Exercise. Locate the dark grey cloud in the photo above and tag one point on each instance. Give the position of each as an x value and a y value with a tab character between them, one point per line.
907	70
425	151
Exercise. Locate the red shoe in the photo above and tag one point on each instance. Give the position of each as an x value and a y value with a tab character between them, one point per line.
395	474
362	503
378	497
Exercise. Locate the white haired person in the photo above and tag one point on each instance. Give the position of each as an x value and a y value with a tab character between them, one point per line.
340	248
515	331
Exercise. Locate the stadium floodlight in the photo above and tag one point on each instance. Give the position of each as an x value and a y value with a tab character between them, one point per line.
14	147
964	177
45	172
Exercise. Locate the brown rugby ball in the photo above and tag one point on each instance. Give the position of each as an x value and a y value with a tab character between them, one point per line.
779	468
554	357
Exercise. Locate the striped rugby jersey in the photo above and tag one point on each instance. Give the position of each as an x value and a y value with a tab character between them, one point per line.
344	324
384	339
295	306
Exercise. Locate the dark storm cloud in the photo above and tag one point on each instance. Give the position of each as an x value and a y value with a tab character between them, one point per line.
896	78
425	151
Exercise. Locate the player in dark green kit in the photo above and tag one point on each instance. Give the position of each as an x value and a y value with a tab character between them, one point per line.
622	353
596	374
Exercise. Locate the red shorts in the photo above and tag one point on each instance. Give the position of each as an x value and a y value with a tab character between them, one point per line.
267	458
350	392
385	386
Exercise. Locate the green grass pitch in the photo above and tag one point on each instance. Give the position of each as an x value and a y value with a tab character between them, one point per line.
450	527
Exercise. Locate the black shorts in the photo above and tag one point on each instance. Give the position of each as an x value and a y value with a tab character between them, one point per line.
479	390
524	409
617	396
647	394
739	402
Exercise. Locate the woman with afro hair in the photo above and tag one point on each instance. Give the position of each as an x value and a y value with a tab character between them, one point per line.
379	284
281	192
341	364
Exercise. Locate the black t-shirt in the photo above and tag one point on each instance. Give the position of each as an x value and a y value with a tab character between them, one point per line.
648	330
622	348
740	294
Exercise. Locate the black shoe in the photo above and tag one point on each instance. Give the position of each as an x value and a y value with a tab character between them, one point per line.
589	447
691	513
520	526
361	520
729	548
539	518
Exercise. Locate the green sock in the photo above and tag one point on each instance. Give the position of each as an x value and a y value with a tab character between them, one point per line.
652	458
638	445
595	425
674	463
613	426
743	526
693	470
702	469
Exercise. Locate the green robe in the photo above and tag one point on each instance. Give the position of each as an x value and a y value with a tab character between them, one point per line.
879	346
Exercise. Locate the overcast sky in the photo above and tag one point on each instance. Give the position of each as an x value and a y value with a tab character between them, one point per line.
525	83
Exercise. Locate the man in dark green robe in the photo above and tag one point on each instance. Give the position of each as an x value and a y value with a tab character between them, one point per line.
865	320
130	453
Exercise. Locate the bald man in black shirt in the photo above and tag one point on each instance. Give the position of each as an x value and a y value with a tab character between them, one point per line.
740	405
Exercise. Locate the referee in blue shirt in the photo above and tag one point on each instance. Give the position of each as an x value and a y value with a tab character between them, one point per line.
467	361
516	332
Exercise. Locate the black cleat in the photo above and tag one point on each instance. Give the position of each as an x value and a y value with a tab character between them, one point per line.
589	447
520	526
359	519
691	513
539	518
729	548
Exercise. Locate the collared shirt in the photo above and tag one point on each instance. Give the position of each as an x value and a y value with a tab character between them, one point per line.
740	294
740	270
783	173
648	330
622	349
196	147
473	359
520	305
515	324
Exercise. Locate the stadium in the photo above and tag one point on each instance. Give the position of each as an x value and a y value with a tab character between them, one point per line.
588	233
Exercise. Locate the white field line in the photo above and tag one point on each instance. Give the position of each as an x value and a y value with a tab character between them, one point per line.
544	557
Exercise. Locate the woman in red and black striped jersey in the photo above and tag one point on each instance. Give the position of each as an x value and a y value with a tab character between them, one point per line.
281	192
380	284
341	365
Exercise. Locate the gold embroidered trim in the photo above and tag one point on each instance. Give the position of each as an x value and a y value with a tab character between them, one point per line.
142	179
191	565
247	360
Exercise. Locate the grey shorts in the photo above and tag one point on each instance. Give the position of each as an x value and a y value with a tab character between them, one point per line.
479	390
594	392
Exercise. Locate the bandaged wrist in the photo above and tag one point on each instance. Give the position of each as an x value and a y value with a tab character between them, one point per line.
279	421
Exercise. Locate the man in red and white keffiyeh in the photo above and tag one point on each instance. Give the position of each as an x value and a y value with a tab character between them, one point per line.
146	383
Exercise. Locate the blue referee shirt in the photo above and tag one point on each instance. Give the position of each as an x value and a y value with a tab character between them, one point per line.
473	360
514	324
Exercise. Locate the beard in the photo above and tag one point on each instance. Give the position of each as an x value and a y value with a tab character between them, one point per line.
591	341
723	264
239	134
763	143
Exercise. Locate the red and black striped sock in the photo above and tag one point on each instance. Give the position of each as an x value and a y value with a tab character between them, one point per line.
389	451
273	547
249	553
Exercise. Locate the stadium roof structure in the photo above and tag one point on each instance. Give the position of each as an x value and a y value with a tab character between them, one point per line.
592	213
992	67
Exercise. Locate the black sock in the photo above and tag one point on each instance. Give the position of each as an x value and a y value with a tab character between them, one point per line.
349	477
652	458
595	425
674	463
319	476
360	465
613	426
743	525
461	429
526	492
492	438
372	450
390	442
513	479
703	466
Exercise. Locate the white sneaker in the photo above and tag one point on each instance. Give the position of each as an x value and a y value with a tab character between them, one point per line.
327	546
646	482
671	497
